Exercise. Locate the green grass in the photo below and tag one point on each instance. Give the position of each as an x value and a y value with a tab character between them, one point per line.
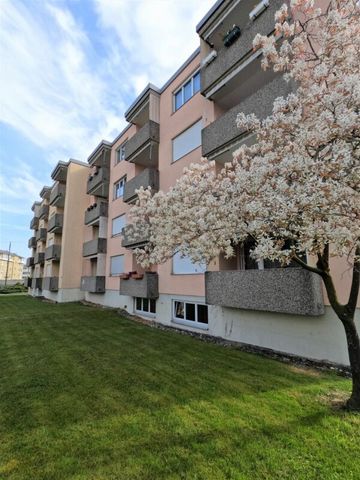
88	395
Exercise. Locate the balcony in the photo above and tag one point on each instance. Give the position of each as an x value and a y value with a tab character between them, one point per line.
28	282
41	234
93	284
34	224
221	138
57	196
53	253
98	182
132	241
94	247
36	283
143	147
39	257
55	223
44	212
93	213
51	284
217	75
147	178
283	290
30	262
146	287
32	242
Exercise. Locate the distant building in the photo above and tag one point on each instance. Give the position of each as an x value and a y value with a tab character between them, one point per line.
11	267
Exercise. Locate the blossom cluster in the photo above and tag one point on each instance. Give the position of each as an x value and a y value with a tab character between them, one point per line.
300	182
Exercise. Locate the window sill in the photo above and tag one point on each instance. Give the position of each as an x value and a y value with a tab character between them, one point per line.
189	323
145	314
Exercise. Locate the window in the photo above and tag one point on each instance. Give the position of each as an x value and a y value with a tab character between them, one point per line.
187	141
184	266
119	188
118	224
116	265
186	91
190	313
120	154
145	305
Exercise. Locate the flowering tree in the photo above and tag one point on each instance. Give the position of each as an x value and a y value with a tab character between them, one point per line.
296	189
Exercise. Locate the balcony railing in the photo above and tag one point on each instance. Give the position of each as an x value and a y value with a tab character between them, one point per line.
229	59
131	241
41	234
55	223
284	290
34	224
93	213
98	182
44	212
39	257
147	178
51	284
143	147
93	284
223	134
94	247
57	196
53	253
32	242
30	261
36	283
146	287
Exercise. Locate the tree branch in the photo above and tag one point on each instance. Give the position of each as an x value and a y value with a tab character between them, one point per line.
355	283
307	266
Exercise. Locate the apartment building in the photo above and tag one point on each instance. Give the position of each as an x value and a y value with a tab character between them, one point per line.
11	267
56	244
192	115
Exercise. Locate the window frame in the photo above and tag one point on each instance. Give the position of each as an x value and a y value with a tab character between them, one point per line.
116	274
181	89
112	225
123	178
185	273
117	153
146	313
183	321
199	120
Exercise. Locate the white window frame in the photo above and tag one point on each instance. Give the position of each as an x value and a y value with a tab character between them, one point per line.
120	153
173	160
122	179
116	274
183	321
181	88
112	225
144	312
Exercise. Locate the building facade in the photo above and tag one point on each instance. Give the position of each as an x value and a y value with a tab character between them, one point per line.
11	268
87	253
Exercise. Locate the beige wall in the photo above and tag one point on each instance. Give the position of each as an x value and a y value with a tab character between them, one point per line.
76	201
15	268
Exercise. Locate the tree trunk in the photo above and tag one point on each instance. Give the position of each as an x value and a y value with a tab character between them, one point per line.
353	344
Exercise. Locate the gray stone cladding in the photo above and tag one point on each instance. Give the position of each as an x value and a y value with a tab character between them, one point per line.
55	223
147	178
97	180
93	247
57	195
225	131
147	287
92	214
51	284
53	252
94	284
150	131
228	58
284	290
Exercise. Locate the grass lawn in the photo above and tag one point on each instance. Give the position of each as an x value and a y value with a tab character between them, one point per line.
88	395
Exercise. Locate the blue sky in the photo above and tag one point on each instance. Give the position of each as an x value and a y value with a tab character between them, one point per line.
68	71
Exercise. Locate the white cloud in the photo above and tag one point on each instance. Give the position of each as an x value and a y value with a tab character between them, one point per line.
158	35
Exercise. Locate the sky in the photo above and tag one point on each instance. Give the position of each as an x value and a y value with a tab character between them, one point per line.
69	69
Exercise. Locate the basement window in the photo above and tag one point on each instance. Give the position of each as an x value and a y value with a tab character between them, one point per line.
145	306
192	314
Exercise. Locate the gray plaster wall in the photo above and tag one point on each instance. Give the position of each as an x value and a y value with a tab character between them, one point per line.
147	287
150	131
147	178
228	58
225	131
283	290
